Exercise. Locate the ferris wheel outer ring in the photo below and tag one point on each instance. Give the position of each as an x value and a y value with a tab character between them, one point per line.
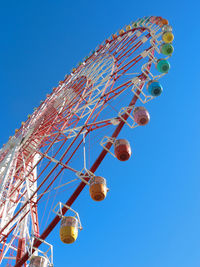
22	259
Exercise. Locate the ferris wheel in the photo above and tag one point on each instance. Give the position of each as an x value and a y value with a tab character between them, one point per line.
58	149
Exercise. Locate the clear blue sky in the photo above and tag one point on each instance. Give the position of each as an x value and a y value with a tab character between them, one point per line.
151	217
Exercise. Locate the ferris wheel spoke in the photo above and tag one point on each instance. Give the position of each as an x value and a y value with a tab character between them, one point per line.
126	53
131	42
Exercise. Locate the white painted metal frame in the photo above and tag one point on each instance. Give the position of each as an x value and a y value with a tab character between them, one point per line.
106	140
83	174
38	251
126	110
58	211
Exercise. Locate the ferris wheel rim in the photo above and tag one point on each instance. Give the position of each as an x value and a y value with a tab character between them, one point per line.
98	161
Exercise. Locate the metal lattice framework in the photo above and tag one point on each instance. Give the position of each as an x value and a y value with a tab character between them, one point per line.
43	162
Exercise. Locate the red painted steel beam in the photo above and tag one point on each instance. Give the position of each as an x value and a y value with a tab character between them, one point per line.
21	248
